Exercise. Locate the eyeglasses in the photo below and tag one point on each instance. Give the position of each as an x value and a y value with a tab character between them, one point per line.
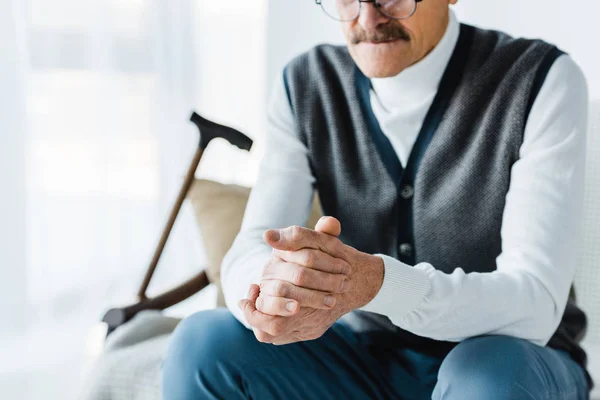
349	10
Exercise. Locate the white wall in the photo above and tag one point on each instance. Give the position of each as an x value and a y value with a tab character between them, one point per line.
296	25
231	82
13	289
571	25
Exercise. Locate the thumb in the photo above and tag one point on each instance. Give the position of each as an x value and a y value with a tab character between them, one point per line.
329	225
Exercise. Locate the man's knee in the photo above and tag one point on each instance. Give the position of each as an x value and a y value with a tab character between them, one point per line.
200	349
206	332
492	367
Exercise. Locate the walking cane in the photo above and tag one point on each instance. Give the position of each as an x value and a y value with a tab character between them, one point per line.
118	316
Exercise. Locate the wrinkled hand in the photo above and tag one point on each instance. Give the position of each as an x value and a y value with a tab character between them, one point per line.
310	281
306	324
307	277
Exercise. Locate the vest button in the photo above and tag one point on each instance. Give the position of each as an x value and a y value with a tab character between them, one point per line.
407	192
406	250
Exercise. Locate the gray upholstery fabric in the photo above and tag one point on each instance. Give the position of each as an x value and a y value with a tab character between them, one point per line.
131	373
146	325
129	368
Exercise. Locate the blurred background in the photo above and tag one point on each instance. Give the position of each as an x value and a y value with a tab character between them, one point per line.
95	96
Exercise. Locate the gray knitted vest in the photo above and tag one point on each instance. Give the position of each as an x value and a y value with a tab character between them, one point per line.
445	206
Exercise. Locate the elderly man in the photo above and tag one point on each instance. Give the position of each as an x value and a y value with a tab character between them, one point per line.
450	161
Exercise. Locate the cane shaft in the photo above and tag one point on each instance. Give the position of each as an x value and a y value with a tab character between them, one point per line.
189	179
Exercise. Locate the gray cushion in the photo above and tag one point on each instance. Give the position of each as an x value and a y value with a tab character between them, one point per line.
129	368
146	325
131	373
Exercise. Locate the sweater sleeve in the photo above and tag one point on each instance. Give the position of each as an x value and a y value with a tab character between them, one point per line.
281	197
527	294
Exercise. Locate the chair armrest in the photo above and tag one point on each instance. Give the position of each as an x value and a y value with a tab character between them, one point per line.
118	316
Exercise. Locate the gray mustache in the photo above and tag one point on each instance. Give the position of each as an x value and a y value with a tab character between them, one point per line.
385	33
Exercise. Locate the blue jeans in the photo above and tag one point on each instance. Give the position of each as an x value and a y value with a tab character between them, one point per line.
212	356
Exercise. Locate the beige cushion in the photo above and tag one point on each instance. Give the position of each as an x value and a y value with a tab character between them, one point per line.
219	210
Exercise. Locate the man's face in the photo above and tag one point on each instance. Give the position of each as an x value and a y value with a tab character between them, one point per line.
383	47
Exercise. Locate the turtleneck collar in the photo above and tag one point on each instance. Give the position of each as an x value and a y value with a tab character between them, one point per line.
421	79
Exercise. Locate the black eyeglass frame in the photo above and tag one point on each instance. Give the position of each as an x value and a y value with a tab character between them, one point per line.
377	6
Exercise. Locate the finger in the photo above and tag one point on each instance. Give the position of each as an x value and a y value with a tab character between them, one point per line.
248	306
262	337
315	259
266	323
273	305
269	324
253	293
296	238
305	277
304	297
329	225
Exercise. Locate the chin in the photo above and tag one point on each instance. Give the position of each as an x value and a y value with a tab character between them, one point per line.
379	68
377	62
379	71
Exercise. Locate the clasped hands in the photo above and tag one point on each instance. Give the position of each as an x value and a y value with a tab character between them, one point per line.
309	282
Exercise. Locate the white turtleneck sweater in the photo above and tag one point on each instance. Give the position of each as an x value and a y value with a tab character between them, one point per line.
526	296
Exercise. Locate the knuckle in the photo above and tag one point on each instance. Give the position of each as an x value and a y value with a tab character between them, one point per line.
311	297
346	268
260	303
281	289
338	247
342	267
336	283
277	327
299	276
268	304
309	258
296	232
